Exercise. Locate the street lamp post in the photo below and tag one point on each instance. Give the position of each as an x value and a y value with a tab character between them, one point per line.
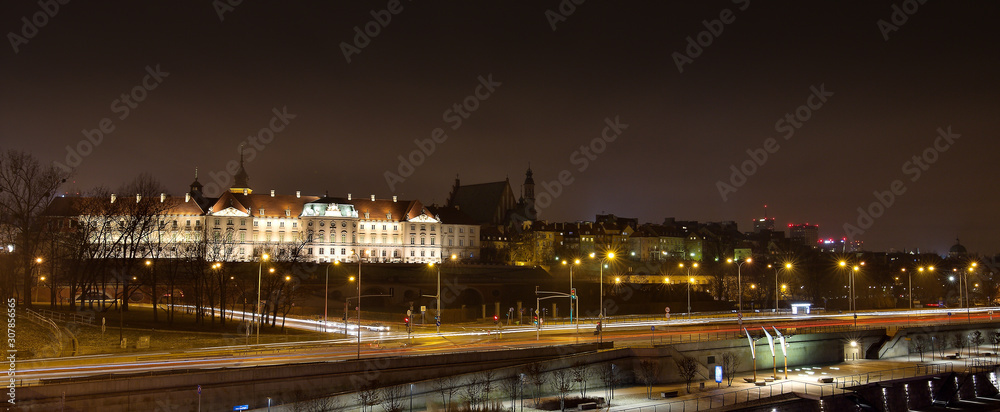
853	297
843	265
776	270
690	280
437	297
739	280
38	271
968	301
909	280
576	300
256	306
850	287
359	301
609	256
326	294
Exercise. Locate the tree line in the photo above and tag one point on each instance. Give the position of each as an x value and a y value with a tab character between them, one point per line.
124	241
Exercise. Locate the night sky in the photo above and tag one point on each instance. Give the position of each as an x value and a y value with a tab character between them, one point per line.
222	80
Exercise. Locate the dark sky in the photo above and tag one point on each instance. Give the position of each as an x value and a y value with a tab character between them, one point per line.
607	59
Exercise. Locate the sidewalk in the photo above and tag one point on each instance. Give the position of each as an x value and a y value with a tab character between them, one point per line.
801	380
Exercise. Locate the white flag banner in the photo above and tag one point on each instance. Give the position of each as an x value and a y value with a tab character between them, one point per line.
770	340
753	353
781	341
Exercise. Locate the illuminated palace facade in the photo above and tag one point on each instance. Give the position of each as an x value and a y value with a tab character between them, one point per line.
241	224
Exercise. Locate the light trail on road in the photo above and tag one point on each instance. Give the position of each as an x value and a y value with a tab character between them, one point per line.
396	343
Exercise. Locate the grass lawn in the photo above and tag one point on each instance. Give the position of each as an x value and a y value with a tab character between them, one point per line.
183	333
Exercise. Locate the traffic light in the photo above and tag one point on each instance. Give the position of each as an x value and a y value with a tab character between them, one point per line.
406	321
536	319
496	319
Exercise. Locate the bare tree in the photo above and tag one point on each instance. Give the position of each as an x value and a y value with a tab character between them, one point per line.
609	377
326	404
581	374
323	404
511	386
995	340
368	395
562	383
486	379
136	221
536	377
447	387
960	342
919	345
687	367
26	188
472	391
940	343
730	364
976	340
647	373
391	398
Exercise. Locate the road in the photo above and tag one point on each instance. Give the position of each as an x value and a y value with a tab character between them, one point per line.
395	342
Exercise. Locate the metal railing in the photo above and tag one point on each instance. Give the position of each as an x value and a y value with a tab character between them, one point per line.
740	396
57	331
864	378
839	386
67	316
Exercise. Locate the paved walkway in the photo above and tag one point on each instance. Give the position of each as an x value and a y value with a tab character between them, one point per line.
800	380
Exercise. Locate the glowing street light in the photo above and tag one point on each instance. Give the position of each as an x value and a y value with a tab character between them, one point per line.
353	252
326	294
739	280
690	281
576	300
853	297
257	308
909	280
607	257
788	266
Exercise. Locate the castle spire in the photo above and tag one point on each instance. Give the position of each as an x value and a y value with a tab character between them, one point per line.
528	189
241	180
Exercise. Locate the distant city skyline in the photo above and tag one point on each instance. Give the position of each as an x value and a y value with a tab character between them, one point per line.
701	111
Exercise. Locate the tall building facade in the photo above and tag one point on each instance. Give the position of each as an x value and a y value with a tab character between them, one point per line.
804	233
240	225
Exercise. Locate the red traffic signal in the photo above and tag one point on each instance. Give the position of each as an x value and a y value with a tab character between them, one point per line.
495	318
406	320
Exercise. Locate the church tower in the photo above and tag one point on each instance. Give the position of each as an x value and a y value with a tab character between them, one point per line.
241	183
529	186
196	186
